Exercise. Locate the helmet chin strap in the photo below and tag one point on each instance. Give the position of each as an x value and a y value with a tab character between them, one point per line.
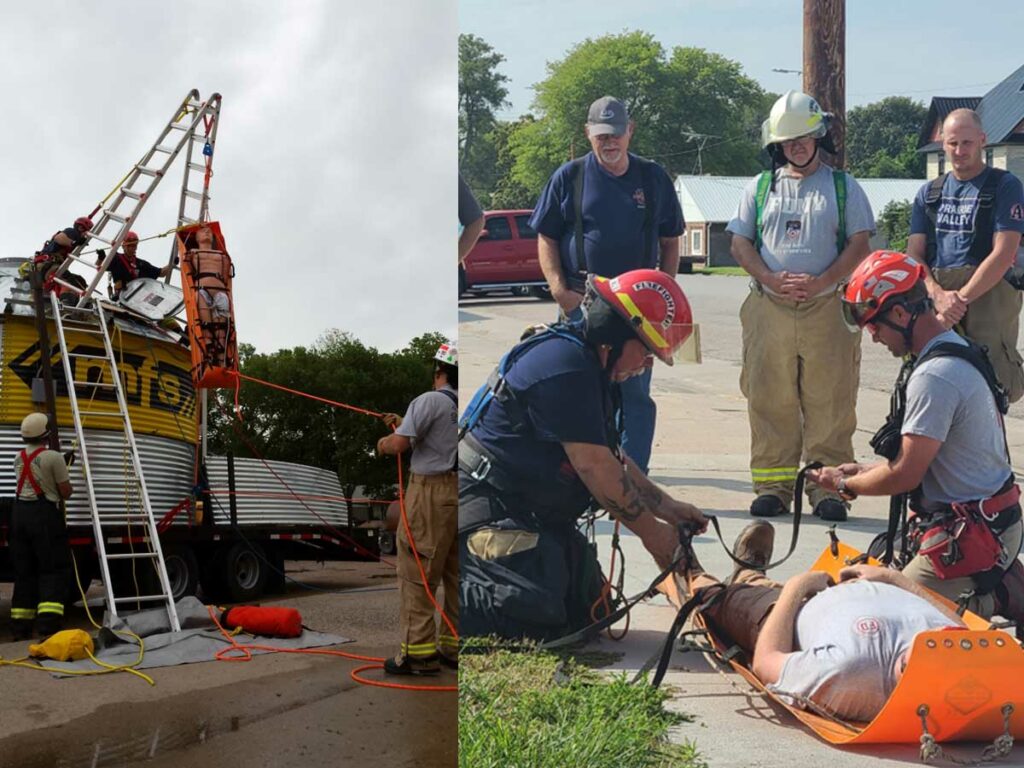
811	160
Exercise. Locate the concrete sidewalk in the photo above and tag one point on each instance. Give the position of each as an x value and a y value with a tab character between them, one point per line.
701	455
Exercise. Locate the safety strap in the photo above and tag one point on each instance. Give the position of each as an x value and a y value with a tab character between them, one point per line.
764	184
577	173
984	220
450	395
26	472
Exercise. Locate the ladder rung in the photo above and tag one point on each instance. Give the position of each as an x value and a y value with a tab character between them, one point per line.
196	104
186	220
148	171
93	384
179	126
92	329
197	167
115	217
132	556
193	195
164	149
133	195
139	598
99	239
107	414
200	137
80	260
84	356
84	310
73	288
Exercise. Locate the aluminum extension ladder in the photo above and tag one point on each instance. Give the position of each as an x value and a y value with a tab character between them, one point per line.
92	320
194	122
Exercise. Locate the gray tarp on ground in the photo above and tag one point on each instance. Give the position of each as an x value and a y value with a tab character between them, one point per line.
198	640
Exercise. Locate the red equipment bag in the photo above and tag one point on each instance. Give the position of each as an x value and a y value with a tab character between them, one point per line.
270	622
960	544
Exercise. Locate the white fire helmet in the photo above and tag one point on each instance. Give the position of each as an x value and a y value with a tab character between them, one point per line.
794	115
448	353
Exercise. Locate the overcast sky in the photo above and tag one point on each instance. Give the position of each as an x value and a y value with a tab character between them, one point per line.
916	48
334	174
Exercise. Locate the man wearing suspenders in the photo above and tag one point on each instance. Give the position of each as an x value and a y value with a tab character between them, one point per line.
39	540
431	507
966	229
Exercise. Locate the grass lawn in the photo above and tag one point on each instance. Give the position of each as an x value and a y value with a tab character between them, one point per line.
720	271
540	710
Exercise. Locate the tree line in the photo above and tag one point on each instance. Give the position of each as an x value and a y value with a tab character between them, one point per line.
338	367
695	111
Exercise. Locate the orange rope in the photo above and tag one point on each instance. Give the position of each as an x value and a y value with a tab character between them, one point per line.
245	650
335	403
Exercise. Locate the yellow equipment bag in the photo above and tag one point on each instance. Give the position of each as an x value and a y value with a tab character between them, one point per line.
68	645
960	685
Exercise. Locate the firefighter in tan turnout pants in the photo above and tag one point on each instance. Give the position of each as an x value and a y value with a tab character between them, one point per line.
799	231
431	506
39	539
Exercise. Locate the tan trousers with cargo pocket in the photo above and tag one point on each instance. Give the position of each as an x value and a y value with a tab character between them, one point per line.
431	505
801	369
992	321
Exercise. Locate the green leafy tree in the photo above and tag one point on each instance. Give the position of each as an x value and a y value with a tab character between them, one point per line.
481	93
881	139
339	367
694	110
894	224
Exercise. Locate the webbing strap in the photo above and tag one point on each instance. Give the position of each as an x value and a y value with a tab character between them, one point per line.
26	472
839	180
764	185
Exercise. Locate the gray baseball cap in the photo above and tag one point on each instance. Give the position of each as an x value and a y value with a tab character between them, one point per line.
607	115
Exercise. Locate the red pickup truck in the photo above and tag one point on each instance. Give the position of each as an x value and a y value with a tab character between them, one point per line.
504	258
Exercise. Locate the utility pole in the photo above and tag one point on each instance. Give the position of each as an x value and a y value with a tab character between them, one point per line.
825	64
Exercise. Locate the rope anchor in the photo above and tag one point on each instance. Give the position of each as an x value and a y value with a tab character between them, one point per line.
1000	747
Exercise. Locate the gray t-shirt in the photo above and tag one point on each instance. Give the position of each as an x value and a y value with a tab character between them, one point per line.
850	638
430	423
49	470
801	220
948	400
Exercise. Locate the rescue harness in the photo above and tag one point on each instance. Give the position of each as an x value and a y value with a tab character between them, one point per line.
26	474
984	220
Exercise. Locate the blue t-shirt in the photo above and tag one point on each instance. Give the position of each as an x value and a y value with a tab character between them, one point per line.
560	388
958	210
613	216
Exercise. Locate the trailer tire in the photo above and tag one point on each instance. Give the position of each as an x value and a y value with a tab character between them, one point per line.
243	571
182	571
386	542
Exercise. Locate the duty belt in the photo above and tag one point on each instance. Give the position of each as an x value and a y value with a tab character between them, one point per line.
993	509
481	466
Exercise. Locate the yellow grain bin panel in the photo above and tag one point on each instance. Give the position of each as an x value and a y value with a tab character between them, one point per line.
155	375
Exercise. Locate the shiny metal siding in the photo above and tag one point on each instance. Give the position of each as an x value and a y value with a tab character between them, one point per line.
167	465
273	499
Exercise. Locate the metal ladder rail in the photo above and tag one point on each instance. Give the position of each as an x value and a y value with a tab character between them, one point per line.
150	521
147	516
187	190
126	190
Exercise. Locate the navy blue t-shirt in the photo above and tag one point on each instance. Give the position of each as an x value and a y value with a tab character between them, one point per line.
958	211
613	216
121	270
559	385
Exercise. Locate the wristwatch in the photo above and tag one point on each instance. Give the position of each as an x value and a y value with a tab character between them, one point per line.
845	493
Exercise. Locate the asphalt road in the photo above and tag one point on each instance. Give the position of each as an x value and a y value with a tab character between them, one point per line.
276	710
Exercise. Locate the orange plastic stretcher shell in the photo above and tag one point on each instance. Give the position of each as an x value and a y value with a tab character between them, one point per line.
963	677
204	374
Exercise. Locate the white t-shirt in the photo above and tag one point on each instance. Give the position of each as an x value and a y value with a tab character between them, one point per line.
850	637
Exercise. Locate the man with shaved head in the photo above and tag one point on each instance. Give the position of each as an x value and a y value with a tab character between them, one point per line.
966	227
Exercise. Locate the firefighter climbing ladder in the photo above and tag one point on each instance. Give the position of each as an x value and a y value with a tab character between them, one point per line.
92	320
194	122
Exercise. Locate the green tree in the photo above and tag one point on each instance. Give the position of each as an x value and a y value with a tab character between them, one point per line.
694	110
339	367
881	139
894	224
481	92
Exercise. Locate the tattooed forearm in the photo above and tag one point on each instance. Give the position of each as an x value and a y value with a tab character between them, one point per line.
637	497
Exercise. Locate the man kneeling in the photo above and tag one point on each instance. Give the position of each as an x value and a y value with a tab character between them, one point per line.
836	647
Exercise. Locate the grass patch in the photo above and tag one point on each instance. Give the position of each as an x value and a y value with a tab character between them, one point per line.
540	710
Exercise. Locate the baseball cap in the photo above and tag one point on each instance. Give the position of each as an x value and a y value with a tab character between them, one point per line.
607	115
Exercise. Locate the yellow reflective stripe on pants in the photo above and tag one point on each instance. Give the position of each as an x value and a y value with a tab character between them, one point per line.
447	641
57	608
419	650
774	473
23	613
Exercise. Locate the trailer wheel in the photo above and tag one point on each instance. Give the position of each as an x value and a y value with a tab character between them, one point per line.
182	571
243	571
386	542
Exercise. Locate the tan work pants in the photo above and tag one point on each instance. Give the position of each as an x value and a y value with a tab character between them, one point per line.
992	321
801	369
431	505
